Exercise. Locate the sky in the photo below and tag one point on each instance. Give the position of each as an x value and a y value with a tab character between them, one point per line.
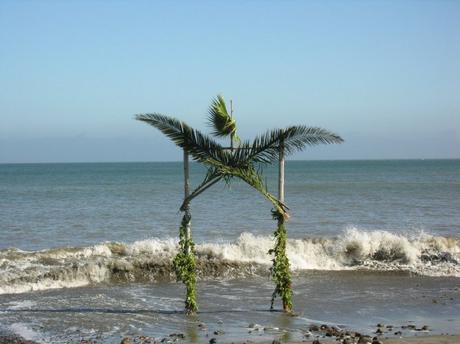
385	75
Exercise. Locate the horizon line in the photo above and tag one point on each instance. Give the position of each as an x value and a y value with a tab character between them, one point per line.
193	161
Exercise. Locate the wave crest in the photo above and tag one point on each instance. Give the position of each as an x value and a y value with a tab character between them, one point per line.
151	260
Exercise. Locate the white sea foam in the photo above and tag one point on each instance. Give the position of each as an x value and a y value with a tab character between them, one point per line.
419	253
25	332
21	304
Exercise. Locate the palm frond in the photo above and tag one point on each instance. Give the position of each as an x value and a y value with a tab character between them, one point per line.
265	148
201	147
220	120
254	179
295	138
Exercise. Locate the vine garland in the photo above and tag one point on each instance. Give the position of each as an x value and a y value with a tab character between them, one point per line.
280	270
185	265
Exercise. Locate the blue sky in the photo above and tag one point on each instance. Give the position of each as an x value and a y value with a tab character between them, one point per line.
383	74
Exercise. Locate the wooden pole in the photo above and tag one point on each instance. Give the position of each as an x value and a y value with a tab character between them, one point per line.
281	172
231	116
285	289
186	194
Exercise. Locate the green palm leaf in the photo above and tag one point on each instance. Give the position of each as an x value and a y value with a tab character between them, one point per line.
219	119
201	147
265	148
254	179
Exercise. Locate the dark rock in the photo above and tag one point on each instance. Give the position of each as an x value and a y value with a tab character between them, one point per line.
316	341
379	331
14	339
314	328
334	331
364	340
425	328
398	333
329	331
380	325
219	332
213	341
177	335
376	341
347	341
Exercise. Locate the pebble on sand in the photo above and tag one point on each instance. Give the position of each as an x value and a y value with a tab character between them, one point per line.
364	340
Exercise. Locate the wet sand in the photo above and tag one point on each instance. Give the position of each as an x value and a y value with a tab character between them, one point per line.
448	339
444	339
14	339
439	339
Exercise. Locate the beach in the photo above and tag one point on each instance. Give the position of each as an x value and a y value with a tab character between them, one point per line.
444	339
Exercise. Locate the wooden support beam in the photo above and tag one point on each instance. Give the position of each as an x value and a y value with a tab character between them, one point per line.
187	194
281	172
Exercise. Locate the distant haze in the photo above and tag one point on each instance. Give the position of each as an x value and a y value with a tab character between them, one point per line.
385	75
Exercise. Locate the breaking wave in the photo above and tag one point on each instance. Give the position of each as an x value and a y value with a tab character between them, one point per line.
151	260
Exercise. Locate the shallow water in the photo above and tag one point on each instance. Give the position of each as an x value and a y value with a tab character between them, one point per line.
349	300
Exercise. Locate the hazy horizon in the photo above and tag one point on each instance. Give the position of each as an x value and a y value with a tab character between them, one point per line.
195	162
383	75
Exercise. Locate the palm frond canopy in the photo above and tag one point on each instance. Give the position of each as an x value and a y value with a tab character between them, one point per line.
201	147
240	163
220	120
263	149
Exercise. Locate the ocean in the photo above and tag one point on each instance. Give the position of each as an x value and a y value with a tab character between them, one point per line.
86	249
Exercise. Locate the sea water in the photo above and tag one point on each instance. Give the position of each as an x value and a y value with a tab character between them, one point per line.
370	241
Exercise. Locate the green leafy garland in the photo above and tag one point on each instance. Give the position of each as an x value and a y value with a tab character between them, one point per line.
280	269
185	265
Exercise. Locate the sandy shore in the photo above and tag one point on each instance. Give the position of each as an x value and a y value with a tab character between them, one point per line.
14	339
445	339
455	339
